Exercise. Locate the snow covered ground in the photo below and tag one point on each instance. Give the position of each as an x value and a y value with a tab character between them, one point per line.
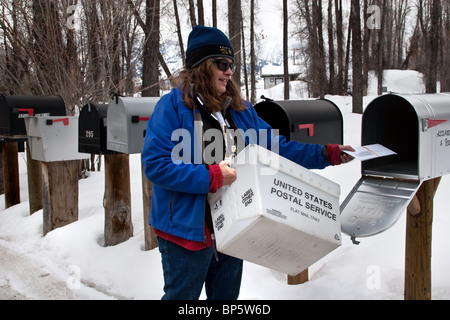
71	262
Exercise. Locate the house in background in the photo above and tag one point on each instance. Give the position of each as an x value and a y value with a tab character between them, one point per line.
274	75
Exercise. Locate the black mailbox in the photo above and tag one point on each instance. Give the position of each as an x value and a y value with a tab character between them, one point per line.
13	109
92	129
306	121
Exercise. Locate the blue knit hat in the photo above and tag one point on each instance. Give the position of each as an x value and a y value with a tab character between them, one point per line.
204	43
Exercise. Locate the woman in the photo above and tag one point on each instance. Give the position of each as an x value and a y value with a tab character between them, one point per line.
204	97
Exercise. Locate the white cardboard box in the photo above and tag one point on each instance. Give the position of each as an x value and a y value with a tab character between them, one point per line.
277	214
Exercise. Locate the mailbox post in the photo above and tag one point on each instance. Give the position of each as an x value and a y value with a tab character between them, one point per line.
417	128
126	127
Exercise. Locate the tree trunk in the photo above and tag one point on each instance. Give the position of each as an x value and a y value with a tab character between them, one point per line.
285	50
192	13
320	66
340	47
252	53
331	51
180	37
380	57
234	25
214	13
201	13
357	58
150	78
433	48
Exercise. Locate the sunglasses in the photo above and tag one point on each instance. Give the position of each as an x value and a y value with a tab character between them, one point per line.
224	65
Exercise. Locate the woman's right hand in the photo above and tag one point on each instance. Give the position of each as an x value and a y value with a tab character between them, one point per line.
228	173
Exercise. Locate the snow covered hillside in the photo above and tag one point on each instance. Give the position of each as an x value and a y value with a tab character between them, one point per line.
71	262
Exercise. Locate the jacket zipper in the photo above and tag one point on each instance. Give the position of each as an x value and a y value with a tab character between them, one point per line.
171	207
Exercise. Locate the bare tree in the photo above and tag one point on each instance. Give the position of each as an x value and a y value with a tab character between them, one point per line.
214	13
339	46
234	25
201	13
444	73
331	50
252	52
357	58
192	13
180	37
285	50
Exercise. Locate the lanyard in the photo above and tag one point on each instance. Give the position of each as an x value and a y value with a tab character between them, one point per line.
230	152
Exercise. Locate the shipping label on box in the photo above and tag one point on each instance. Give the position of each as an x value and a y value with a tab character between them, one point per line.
277	214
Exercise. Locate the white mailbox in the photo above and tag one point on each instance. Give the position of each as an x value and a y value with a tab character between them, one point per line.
417	128
277	214
127	123
53	139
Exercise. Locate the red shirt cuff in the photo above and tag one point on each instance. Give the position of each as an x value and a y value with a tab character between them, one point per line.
215	177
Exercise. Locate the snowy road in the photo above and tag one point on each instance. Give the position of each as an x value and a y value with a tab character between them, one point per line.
21	274
22	278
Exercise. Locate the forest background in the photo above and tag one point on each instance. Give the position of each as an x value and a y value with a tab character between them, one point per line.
89	50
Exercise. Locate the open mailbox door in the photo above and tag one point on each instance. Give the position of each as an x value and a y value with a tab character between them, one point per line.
375	204
417	128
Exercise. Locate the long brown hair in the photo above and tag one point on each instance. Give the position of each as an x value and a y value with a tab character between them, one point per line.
201	80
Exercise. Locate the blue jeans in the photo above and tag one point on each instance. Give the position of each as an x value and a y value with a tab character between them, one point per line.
186	271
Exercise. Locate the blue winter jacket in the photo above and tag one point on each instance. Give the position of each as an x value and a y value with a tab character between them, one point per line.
180	187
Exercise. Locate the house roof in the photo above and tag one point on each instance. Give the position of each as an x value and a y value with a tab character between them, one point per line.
272	70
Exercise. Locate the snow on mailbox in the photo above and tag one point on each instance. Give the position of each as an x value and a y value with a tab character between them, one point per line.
13	109
127	123
306	121
277	214
417	128
92	129
53	139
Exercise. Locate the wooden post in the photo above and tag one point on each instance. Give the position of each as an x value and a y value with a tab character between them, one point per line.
11	173
117	199
151	241
2	189
418	243
59	194
34	172
299	279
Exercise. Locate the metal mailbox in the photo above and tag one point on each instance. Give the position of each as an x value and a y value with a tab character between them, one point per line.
417	128
127	123
92	129
307	121
53	139
13	109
